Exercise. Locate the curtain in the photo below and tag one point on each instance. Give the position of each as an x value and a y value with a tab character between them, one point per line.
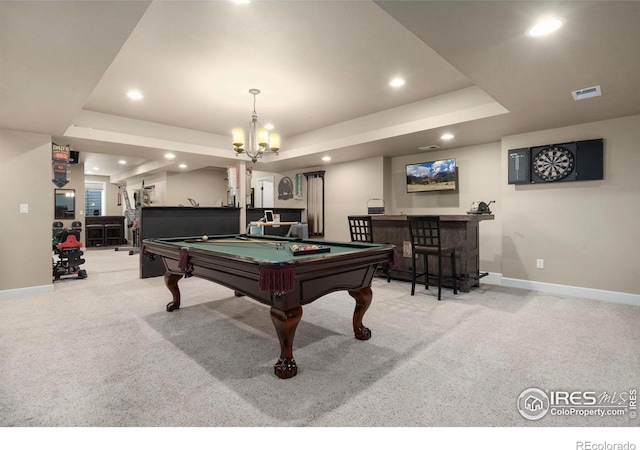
315	202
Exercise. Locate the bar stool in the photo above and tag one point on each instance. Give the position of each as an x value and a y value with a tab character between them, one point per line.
113	234
361	229
425	241
95	235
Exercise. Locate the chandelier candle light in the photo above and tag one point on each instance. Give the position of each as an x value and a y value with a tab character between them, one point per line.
259	138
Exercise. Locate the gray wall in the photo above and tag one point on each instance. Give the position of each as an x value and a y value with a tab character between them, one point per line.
206	186
348	188
479	179
587	232
25	239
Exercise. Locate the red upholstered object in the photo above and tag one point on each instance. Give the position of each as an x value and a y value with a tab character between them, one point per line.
70	242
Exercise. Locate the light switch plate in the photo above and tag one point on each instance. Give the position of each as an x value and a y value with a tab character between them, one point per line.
24	208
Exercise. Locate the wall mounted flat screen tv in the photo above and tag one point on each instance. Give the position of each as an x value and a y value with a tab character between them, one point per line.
432	176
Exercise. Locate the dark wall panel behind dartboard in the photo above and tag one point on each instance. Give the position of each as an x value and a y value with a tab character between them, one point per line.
570	161
519	166
590	160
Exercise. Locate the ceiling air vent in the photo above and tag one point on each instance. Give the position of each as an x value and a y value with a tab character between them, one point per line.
586	93
429	147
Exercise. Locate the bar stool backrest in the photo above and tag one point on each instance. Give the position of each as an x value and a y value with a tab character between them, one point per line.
360	229
425	231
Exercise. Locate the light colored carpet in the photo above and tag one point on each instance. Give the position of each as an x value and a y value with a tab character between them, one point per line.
104	352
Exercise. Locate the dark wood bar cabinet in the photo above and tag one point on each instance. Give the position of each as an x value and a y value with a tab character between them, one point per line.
461	231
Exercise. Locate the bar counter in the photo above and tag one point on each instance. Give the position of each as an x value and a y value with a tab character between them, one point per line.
461	231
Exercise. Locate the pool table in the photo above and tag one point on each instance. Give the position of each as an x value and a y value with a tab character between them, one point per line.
269	270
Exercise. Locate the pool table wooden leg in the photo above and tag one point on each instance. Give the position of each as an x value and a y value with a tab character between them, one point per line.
363	300
171	280
286	323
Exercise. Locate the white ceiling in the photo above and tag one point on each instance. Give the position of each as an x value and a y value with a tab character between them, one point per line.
323	68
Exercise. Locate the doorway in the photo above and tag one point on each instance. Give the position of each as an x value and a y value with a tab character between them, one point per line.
264	192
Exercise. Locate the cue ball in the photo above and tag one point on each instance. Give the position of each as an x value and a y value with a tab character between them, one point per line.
205	238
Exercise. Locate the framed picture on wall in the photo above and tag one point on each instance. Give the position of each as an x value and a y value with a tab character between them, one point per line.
285	189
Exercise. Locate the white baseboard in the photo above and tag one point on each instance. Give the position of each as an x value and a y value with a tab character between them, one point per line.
574	291
12	293
492	278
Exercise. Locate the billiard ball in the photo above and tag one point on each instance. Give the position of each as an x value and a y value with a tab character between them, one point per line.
205	238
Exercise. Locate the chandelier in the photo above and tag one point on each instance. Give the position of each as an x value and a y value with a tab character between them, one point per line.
260	140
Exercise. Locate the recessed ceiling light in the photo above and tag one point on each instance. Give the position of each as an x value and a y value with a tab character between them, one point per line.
96	168
169	156
269	126
122	161
545	26
135	94
326	158
446	137
397	82
183	166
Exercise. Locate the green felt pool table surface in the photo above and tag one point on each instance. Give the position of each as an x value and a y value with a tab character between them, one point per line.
264	249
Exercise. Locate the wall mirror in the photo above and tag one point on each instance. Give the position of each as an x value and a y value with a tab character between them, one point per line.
65	203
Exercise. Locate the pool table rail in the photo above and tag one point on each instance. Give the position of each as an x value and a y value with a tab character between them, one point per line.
348	270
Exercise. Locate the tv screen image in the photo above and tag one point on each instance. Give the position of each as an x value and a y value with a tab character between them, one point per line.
432	176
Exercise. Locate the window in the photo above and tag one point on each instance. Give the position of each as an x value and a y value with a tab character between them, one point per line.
93	199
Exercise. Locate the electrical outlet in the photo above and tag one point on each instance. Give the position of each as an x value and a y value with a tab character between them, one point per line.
540	263
406	249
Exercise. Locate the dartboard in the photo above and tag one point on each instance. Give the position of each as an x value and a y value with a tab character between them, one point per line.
553	163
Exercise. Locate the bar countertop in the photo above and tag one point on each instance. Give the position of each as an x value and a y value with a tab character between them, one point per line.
444	218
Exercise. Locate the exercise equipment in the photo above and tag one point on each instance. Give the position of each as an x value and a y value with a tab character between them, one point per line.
66	246
141	197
